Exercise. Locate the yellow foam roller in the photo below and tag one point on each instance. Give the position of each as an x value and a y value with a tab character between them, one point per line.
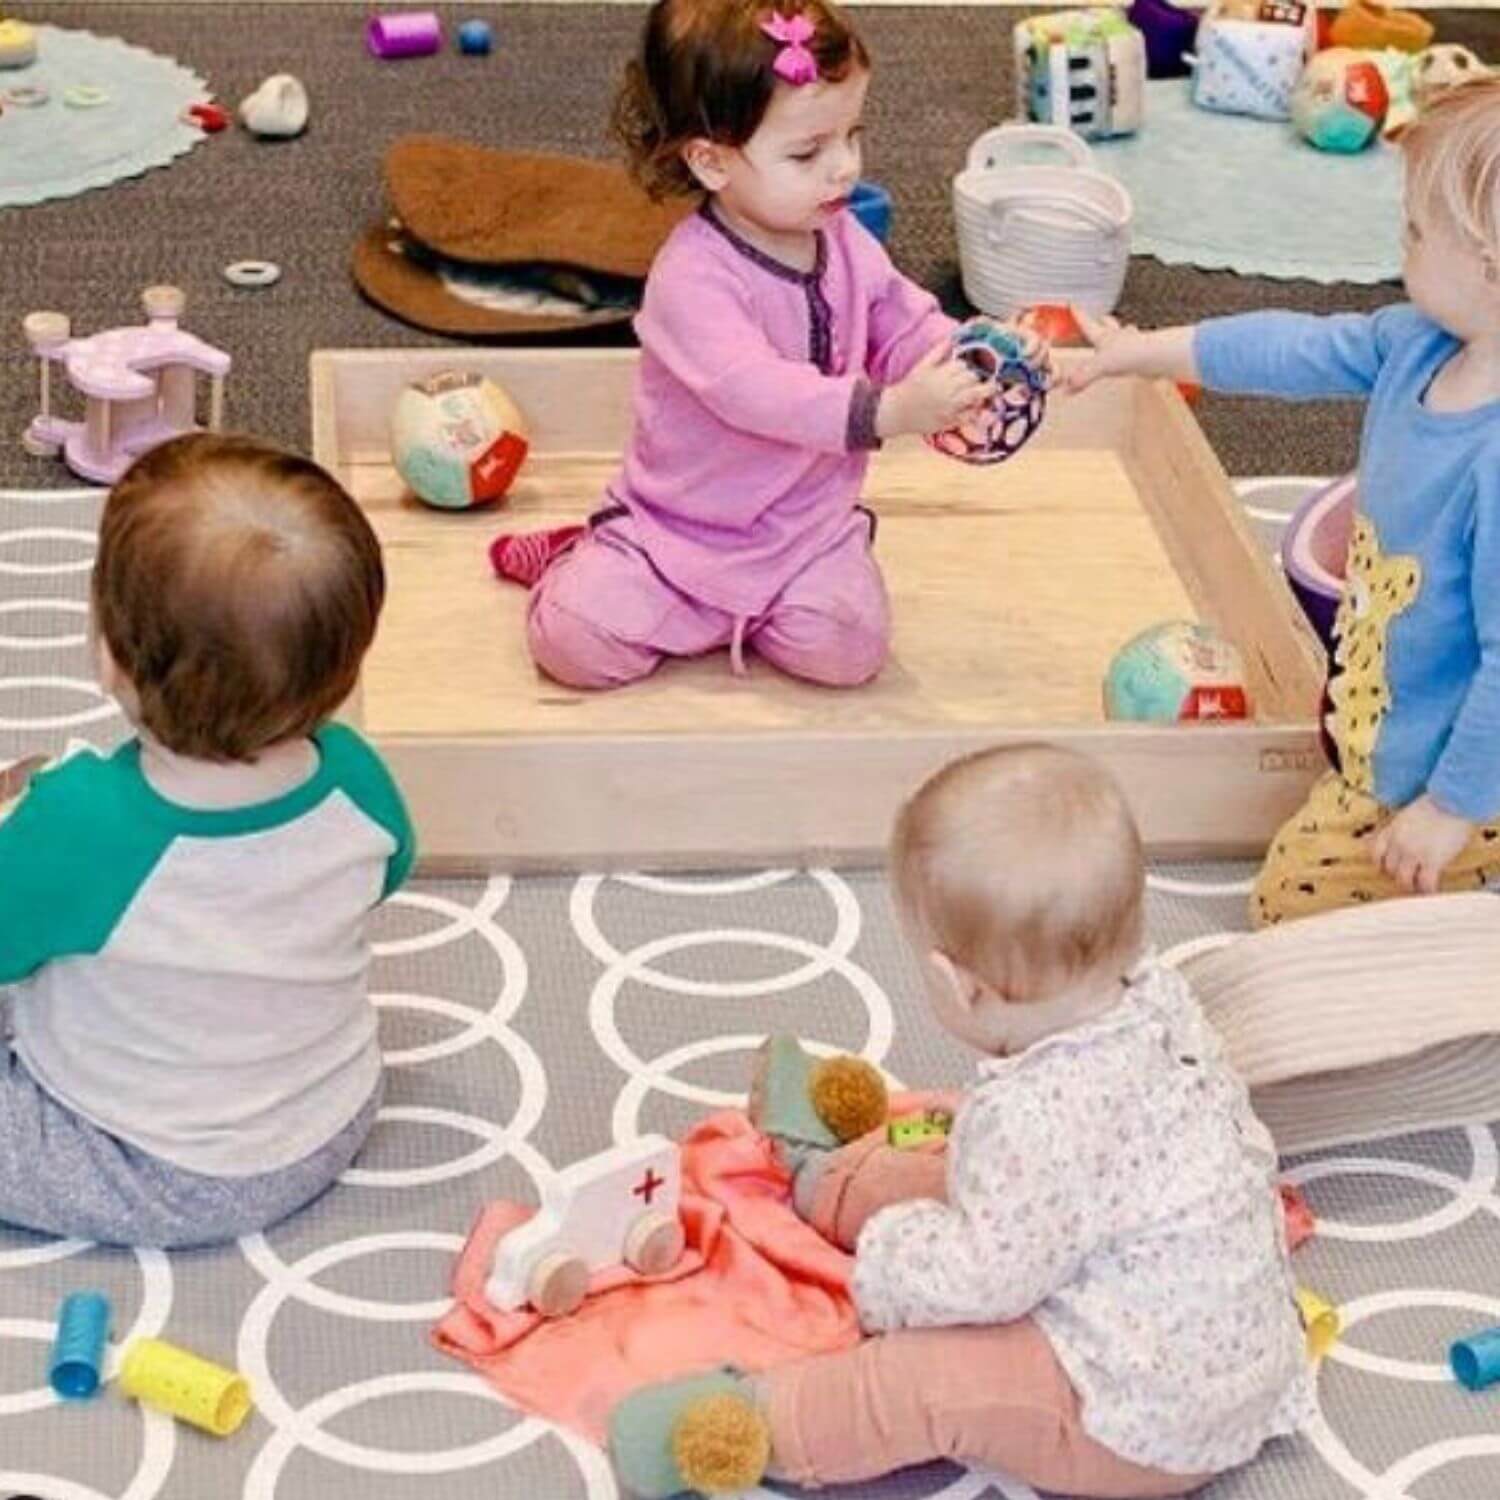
1320	1322
17	44
194	1389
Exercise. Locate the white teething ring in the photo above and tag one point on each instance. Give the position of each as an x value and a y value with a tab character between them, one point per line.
27	96
252	273
85	96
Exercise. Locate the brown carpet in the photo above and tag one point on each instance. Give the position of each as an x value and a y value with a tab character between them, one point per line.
942	76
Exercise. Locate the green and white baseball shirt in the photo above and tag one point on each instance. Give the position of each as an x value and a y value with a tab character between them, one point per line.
195	981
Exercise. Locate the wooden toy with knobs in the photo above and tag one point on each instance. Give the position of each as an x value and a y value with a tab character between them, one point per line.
138	386
621	1206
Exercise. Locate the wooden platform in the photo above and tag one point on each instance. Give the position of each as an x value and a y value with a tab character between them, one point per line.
1011	588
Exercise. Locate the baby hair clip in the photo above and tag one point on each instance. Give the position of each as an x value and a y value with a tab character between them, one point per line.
794	64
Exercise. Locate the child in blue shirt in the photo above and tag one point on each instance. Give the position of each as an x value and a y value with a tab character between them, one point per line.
183	921
1412	803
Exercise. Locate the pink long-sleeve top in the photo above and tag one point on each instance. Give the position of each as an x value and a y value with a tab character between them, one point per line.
755	404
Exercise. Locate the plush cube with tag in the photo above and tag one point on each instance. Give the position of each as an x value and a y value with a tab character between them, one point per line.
1250	67
1083	69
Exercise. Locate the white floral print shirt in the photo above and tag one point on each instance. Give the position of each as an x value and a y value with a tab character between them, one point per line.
1112	1183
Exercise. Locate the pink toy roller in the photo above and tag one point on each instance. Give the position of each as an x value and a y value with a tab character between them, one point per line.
412	33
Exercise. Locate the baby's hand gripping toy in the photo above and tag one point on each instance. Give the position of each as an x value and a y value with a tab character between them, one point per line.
1017	363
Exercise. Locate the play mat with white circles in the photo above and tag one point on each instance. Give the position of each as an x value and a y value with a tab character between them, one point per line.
494	1083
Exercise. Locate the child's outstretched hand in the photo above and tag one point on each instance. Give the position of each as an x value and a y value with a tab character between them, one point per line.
1419	843
938	394
1113	343
1120	349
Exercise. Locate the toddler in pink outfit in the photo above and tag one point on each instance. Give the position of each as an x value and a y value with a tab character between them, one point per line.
779	346
1087	1285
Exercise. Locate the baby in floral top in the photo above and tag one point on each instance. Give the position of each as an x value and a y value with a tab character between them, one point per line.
1088	1288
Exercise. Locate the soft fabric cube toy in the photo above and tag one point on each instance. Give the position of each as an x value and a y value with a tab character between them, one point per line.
1250	67
1084	69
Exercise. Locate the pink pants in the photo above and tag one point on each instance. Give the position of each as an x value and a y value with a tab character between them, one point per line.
995	1396
602	616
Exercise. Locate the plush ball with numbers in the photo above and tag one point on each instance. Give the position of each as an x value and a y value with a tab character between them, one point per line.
1176	671
457	439
1017	363
1340	101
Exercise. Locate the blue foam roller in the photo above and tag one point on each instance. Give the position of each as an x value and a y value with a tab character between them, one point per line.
475	38
1476	1359
78	1350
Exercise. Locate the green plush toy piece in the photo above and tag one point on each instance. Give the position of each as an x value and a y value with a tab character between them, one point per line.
810	1102
907	1132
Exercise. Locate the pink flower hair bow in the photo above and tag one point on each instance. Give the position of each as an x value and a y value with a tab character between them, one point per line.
794	63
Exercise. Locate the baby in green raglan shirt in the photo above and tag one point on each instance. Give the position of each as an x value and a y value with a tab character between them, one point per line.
182	921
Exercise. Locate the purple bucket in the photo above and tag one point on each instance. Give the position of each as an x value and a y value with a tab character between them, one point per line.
1314	549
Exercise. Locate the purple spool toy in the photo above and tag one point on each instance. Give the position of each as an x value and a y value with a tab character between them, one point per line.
410	33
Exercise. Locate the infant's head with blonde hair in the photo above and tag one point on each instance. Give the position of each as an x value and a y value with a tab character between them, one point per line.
1452	152
1020	879
235	593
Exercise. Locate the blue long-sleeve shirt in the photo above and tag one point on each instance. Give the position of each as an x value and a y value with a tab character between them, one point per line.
1416	685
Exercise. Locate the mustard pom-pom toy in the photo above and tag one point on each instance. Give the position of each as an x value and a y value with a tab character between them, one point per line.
721	1445
849	1096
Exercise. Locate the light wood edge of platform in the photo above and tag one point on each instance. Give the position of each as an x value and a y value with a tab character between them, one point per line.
1225	569
679	802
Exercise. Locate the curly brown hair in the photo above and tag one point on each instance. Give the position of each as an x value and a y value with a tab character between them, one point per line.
237	589
704	69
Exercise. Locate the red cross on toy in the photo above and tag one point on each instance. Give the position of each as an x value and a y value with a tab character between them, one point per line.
648	1185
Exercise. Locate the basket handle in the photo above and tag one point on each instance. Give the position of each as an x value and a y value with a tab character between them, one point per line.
999	209
994	144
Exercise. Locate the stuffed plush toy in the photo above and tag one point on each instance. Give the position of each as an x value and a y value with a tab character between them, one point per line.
1341	100
1435	70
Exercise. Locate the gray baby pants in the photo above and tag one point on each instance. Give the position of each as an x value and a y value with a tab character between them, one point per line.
59	1174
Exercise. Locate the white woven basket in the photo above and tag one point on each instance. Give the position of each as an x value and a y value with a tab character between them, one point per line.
1030	233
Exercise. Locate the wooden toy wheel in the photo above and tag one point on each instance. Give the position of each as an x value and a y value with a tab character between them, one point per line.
654	1243
557	1284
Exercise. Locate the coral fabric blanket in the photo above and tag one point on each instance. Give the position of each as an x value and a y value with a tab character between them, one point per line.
756	1287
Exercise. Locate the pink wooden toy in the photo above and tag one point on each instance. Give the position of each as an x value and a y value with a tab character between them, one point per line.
138	385
620	1206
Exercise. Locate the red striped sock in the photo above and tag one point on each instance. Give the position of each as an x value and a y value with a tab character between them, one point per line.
523	556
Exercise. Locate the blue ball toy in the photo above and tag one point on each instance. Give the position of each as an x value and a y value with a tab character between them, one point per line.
474	38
